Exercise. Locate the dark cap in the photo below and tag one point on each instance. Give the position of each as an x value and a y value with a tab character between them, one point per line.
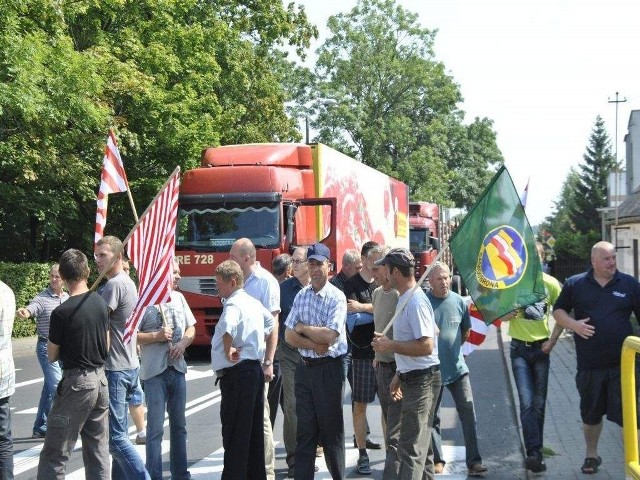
319	252
399	257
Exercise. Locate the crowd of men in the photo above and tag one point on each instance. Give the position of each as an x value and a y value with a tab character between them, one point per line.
292	343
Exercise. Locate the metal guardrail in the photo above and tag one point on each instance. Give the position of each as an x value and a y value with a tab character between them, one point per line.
630	349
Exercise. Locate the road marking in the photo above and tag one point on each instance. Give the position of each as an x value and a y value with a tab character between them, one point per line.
30	382
28	459
210	468
31	411
192	374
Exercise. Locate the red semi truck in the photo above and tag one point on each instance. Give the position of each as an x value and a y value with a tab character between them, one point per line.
279	196
424	233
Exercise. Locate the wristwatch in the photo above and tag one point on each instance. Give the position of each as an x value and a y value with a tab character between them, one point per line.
267	363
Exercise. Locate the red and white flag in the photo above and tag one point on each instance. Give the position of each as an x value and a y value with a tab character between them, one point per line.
478	331
151	248
113	180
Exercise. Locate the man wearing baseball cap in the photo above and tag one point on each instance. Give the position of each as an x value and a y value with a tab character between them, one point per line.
415	350
316	327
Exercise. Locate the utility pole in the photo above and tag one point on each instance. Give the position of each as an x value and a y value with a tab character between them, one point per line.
617	172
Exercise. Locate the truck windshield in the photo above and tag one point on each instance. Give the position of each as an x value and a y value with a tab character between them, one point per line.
214	227
418	240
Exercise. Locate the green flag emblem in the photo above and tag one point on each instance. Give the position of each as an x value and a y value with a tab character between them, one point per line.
495	252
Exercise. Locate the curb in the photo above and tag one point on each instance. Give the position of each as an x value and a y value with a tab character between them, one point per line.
504	344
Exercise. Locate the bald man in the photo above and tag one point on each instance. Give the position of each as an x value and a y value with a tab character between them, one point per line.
602	300
262	286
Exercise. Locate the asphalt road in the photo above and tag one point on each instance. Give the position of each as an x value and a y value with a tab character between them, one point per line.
498	434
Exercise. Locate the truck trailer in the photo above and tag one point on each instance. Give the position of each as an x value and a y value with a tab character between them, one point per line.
280	196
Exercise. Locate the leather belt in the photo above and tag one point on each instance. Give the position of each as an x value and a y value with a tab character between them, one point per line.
314	362
418	373
537	343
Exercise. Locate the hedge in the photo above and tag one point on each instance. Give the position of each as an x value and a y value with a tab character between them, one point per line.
26	280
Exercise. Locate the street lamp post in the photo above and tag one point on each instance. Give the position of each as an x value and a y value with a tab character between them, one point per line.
326	102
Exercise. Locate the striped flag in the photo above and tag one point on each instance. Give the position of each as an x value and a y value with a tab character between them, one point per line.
151	248
113	180
478	331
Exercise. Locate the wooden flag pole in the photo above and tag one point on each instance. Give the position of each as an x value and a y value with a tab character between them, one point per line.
413	290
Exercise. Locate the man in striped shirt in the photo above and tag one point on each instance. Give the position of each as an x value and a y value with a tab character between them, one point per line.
316	327
41	307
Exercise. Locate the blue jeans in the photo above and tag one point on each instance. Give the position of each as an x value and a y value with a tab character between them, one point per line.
167	391
530	367
6	441
52	375
463	399
127	464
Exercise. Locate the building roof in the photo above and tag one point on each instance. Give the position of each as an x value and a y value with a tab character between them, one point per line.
629	209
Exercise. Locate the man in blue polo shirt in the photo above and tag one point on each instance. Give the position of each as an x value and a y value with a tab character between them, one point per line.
602	300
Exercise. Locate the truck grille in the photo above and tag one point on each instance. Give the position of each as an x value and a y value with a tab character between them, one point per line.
200	285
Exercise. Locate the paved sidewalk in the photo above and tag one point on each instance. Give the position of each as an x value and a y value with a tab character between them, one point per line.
24	346
563	426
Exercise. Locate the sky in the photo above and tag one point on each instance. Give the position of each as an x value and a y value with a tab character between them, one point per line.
541	70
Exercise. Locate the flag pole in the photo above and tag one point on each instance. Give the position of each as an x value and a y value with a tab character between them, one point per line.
413	290
124	242
133	206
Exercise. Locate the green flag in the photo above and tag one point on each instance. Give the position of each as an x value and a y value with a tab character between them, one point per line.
495	252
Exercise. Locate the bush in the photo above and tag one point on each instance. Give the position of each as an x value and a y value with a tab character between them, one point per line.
26	280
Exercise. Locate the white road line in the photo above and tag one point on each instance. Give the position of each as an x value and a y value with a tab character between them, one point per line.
192	374
30	382
210	468
28	459
31	411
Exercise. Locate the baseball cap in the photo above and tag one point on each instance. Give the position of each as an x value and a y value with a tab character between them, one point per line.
399	257
319	252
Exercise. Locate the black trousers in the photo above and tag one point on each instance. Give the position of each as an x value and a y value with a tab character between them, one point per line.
319	392
241	415
274	397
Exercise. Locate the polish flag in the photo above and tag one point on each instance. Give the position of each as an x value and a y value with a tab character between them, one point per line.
478	331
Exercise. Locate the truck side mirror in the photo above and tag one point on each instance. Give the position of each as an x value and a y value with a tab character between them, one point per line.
291	213
435	243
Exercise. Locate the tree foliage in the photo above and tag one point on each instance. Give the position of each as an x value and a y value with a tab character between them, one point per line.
171	77
575	222
591	189
397	107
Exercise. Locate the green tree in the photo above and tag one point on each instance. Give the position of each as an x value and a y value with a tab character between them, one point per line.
591	189
397	107
171	77
575	222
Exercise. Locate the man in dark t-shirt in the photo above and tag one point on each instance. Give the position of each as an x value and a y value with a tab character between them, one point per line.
79	337
602	300
359	290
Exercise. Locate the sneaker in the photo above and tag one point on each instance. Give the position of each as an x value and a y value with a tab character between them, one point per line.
38	435
477	470
141	439
363	467
535	463
438	468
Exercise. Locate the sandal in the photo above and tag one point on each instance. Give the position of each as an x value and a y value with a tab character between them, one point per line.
591	465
